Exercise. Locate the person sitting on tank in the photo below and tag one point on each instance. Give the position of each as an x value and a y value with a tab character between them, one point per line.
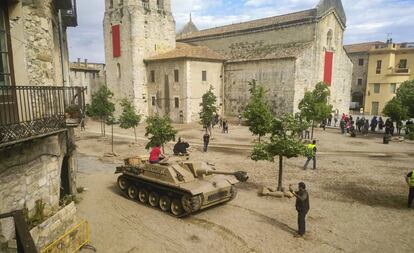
156	154
180	148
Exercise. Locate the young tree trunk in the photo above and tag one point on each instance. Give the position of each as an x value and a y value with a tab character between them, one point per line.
135	134
259	138
313	124
279	181
162	146
112	129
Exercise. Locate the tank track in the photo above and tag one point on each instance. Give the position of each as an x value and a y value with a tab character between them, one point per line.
172	201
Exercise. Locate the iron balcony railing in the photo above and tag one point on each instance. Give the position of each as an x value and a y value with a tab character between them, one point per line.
28	112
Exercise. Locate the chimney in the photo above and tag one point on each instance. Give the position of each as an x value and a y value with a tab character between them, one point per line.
86	62
78	61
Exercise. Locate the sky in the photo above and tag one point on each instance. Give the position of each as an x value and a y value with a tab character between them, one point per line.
367	20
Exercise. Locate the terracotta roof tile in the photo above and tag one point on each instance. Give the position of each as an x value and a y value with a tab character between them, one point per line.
184	50
361	47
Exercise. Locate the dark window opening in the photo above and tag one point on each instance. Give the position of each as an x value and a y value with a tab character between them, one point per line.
65	178
153	101
177	102
152	76
359	81
402	64
204	75
176	76
361	62
379	63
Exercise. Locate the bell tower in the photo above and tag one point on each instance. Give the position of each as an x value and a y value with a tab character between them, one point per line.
133	31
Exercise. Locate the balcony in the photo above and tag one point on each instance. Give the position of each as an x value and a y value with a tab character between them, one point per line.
70	16
29	112
398	71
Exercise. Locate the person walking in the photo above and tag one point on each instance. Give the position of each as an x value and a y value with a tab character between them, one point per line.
206	140
366	128
380	123
302	206
240	119
335	119
311	155
399	126
410	181
374	123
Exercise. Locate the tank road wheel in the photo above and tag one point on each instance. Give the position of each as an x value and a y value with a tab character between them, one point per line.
122	183
143	195
153	199
165	203
176	207
132	192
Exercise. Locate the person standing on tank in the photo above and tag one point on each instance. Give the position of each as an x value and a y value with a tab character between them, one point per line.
302	206
206	140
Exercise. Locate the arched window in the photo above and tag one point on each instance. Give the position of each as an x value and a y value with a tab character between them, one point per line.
329	36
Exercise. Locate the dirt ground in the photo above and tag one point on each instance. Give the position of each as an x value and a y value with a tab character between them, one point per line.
357	196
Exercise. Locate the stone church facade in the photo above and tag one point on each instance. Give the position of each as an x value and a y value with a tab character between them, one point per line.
288	54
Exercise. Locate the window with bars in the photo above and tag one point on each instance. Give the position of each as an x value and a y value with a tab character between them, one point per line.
152	76
361	62
359	81
5	75
176	102
176	76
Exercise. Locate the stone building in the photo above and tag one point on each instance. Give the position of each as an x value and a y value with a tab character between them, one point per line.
389	65
88	75
134	31
179	78
358	53
37	151
288	54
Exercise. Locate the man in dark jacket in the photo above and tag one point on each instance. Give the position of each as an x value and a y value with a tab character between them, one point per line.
302	206
410	181
180	148
206	140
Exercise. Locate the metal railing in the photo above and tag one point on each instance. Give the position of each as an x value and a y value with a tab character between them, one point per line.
33	111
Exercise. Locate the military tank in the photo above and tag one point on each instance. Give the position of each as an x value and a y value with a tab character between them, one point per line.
177	187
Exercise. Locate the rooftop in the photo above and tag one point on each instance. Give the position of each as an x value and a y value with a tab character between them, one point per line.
361	47
187	51
255	24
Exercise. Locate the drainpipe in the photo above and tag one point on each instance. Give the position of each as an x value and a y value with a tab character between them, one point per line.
62	57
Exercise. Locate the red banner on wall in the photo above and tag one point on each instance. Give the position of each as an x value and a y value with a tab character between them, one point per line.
328	68
116	41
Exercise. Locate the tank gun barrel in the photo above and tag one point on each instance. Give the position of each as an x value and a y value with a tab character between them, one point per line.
240	175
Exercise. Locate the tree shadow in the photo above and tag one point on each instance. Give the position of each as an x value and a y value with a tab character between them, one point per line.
371	196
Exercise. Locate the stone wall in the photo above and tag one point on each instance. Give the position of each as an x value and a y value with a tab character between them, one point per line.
31	171
359	72
144	33
34	32
54	227
234	47
277	76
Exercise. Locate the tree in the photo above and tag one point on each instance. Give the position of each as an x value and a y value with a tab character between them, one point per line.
208	109
257	112
284	142
314	105
101	106
405	94
395	110
159	131
129	117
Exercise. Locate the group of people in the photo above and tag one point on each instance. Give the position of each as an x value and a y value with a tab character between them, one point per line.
363	125
180	149
222	123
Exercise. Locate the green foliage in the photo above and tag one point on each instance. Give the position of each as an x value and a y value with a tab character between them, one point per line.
208	108
284	142
257	112
314	106
101	105
39	215
129	117
159	131
405	94
395	110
